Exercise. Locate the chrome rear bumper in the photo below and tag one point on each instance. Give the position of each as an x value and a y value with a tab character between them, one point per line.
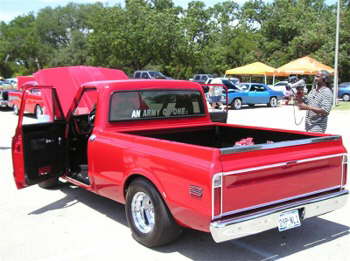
267	219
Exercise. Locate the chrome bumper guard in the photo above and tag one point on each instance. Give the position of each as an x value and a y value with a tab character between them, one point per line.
267	219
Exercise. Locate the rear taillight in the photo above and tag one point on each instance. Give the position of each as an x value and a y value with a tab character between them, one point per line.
345	170
217	195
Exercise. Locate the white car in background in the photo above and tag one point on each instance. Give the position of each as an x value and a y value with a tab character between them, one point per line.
221	80
279	86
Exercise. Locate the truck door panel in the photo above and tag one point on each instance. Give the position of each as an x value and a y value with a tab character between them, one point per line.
39	147
43	150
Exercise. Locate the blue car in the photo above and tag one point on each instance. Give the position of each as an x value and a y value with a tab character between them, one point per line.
344	91
251	94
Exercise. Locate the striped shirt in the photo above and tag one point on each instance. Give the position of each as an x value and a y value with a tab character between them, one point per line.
322	98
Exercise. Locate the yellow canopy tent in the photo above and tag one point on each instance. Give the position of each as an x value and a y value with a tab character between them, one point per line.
256	68
305	65
253	69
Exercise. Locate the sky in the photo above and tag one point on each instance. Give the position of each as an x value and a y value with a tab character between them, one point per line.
9	9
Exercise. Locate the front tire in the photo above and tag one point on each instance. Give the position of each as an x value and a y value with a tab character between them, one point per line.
273	102
346	97
149	218
38	111
15	109
236	104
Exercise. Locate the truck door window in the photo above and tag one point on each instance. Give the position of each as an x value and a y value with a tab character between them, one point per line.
84	113
86	103
145	75
155	104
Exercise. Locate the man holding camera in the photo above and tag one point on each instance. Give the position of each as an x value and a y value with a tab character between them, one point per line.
317	104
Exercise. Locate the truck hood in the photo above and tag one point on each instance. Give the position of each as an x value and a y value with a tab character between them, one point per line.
67	80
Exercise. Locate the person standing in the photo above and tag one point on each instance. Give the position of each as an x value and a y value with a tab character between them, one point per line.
318	103
215	95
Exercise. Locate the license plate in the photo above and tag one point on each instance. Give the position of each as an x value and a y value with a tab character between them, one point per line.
288	220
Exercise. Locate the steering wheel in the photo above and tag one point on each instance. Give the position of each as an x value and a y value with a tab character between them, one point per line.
84	126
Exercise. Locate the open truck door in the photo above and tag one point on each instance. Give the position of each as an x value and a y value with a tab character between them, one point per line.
39	145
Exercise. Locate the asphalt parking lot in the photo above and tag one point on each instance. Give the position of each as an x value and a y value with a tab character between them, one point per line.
70	223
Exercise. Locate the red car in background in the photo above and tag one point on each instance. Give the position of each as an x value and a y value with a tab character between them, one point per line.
34	105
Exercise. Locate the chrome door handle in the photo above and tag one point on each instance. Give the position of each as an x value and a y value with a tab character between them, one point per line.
92	137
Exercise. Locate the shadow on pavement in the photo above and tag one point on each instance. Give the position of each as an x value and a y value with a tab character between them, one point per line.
269	245
195	245
5	109
75	195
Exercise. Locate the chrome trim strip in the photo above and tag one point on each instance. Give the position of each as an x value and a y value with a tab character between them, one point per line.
276	145
344	162
276	202
267	219
235	172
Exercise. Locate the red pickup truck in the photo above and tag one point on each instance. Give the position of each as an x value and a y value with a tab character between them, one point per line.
151	145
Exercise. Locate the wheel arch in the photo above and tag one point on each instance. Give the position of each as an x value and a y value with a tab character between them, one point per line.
130	178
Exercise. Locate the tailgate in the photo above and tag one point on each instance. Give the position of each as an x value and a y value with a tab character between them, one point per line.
263	176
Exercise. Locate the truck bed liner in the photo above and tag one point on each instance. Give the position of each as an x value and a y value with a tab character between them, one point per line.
224	137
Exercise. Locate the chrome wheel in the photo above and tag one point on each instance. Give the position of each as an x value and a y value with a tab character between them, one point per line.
346	97
273	102
142	212
15	109
237	104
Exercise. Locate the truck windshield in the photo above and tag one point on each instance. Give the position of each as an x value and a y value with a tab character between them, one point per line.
155	104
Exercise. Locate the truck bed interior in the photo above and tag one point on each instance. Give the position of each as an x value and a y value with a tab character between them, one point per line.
220	136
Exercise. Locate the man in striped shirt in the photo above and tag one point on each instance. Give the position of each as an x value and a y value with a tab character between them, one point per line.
317	104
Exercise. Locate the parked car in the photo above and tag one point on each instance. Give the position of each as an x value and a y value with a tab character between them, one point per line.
221	80
279	86
344	91
152	146
253	93
5	97
12	81
230	83
150	75
201	78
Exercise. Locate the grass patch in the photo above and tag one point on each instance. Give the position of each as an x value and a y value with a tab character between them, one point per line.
342	106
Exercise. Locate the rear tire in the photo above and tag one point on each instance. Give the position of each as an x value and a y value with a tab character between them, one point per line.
236	104
50	183
149	218
346	97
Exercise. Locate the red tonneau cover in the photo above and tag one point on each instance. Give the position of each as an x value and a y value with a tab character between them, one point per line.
67	80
